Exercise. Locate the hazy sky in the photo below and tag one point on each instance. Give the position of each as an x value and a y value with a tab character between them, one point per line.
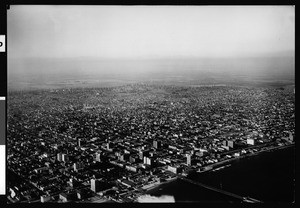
149	31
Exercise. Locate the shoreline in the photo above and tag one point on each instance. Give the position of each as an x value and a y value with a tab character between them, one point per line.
160	184
215	167
225	162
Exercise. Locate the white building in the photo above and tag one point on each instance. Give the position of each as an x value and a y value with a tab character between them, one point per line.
65	157
250	141
45	198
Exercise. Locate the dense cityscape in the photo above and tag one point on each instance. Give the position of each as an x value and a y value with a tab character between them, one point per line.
114	144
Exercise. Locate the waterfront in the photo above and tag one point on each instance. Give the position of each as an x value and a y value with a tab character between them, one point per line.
268	177
186	192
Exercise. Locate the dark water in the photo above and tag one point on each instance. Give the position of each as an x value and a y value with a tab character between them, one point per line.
186	192
268	177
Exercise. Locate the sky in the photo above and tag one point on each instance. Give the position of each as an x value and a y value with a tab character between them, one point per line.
149	31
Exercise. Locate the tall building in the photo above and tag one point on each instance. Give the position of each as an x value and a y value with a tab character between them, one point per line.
65	157
189	159
145	160
59	156
148	161
156	144
95	185
230	144
98	157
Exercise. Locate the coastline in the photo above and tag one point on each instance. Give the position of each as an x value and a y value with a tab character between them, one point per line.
225	162
160	184
222	164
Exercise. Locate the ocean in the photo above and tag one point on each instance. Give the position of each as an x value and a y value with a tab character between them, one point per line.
268	177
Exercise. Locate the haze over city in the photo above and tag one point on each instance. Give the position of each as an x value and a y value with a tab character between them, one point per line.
134	43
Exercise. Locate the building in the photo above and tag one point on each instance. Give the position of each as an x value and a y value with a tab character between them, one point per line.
251	141
65	158
225	147
45	198
148	161
127	183
109	146
72	182
173	147
131	168
174	169
189	159
98	157
59	156
78	166
124	157
230	144
143	153
199	153
156	144
64	197
133	158
81	194
95	185
41	169
291	137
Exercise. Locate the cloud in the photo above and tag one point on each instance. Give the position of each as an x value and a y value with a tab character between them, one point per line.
156	199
